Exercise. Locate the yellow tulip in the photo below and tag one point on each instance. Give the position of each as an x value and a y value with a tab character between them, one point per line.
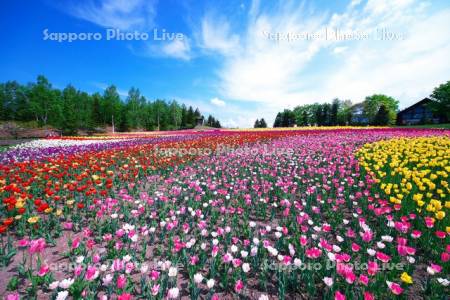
33	220
440	215
406	278
417	197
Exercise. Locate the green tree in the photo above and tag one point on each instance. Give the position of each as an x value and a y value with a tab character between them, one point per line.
69	124
160	113
175	114
278	120
335	105
326	110
84	112
43	100
262	123
3	113
184	116
373	103
14	102
216	124
301	115
134	109
318	113
72	110
210	121
190	118
96	109
344	116
112	107
441	97
382	116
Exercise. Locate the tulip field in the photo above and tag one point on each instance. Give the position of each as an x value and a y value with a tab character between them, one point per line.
303	213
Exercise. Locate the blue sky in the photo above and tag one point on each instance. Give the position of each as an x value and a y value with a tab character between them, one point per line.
229	61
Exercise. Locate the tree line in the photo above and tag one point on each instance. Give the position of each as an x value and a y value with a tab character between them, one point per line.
71	110
375	110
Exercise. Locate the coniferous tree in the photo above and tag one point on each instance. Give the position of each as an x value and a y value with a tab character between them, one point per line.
382	116
278	120
184	116
334	112
69	124
96	109
262	123
190	118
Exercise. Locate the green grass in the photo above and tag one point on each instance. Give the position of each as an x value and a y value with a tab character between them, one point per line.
442	126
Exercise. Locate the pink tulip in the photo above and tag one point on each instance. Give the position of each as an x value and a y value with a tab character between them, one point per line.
429	222
43	270
364	279
78	270
238	286
121	281
13	296
155	289
383	257
355	247
416	234
23	243
368	296
395	288
226	258
339	296
91	273
372	268
124	296
313	252
303	240
75	243
440	234
68	225
367	236
154	275
37	246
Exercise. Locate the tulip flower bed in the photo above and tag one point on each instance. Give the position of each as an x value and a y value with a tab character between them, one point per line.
295	214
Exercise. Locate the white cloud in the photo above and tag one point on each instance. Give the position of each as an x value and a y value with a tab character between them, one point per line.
217	102
216	36
355	3
407	69
121	14
338	50
178	48
258	69
230	123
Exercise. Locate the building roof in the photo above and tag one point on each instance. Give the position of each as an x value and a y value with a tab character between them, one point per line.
358	105
421	102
